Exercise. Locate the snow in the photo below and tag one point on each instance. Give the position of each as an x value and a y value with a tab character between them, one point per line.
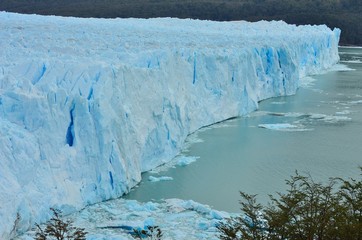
86	105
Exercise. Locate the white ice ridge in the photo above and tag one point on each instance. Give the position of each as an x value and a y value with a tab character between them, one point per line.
86	105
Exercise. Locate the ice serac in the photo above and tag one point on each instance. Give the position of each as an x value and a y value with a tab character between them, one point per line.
86	105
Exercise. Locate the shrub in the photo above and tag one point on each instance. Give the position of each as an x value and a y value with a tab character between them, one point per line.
308	210
57	229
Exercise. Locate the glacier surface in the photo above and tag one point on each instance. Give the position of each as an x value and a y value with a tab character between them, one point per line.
86	105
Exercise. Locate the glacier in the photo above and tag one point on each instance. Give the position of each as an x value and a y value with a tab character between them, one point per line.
87	105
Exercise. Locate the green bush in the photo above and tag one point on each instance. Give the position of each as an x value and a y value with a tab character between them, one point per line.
308	210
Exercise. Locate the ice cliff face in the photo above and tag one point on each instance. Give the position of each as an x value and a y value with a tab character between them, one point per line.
86	105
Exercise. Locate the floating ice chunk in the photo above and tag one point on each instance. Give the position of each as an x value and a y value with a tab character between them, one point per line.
181	205
258	114
344	112
297	115
277	126
351	61
289	114
335	119
351	47
278	114
329	118
278	103
180	160
307	82
356	102
318	116
158	179
340	68
185	160
286	127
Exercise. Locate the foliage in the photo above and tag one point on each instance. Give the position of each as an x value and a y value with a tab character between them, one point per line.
152	232
57	229
308	210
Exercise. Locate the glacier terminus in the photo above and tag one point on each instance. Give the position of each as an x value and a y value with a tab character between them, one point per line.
87	105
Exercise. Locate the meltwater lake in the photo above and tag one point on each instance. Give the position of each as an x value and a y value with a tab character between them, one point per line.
318	131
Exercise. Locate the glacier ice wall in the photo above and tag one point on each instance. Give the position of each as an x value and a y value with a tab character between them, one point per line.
86	105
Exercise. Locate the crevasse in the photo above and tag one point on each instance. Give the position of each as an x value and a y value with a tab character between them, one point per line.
86	105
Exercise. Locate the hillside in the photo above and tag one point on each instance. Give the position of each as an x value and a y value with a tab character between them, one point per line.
344	14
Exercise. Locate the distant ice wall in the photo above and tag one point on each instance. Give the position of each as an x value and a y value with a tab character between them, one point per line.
86	105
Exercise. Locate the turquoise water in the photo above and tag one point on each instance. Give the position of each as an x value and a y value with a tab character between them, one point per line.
318	131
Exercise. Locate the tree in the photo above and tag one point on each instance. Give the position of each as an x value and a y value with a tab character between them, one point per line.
308	210
57	229
248	227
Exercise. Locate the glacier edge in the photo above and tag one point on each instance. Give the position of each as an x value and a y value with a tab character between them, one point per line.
86	105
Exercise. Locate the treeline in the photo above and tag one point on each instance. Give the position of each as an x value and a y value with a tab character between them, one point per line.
345	14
